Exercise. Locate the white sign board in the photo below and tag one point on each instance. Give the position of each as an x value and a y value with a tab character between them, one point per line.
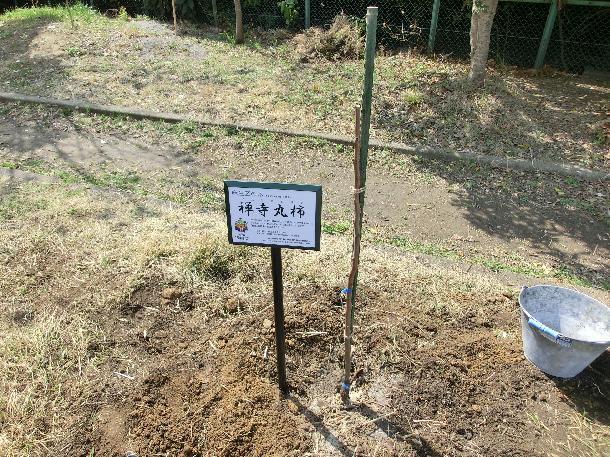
274	214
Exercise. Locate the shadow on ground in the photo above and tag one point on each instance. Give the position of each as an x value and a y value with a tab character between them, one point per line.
589	392
556	115
562	218
420	446
23	67
517	114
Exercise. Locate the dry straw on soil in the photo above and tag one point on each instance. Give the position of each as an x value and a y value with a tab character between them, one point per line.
93	359
342	40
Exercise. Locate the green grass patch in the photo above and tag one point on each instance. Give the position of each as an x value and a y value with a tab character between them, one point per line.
74	52
76	12
335	228
203	137
261	140
126	180
14	206
211	200
68	177
34	165
8	164
412	97
511	263
183	127
423	248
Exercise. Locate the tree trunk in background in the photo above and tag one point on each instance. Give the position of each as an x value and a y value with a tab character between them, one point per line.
239	23
483	12
174	15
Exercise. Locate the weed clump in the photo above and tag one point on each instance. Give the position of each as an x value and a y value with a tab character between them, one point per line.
218	262
342	41
601	131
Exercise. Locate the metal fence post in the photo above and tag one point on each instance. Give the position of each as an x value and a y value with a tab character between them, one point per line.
307	14
546	35
433	25
360	162
367	91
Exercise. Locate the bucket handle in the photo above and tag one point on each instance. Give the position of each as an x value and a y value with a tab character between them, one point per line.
550	334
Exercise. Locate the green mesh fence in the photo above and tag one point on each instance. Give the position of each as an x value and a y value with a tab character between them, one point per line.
579	39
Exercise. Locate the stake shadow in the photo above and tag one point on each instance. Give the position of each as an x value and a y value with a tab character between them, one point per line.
391	429
318	424
421	447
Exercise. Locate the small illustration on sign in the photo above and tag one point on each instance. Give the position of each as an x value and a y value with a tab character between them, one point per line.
274	214
241	225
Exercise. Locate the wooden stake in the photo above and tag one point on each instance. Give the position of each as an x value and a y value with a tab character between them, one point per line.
347	358
361	151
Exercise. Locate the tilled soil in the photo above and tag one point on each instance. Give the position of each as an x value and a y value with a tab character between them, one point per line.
425	382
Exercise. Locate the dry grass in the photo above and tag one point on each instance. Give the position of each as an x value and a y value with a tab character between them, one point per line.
65	263
213	154
342	40
417	99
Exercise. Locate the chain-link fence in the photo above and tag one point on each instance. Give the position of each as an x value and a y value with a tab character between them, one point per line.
581	39
579	34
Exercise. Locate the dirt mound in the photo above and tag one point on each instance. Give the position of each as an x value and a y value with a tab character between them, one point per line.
343	40
426	382
216	394
206	413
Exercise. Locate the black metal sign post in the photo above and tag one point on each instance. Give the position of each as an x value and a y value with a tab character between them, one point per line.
278	308
275	215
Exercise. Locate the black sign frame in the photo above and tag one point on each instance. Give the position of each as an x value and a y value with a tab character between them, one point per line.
276	186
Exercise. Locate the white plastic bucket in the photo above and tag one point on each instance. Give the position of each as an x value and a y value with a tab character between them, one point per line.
563	330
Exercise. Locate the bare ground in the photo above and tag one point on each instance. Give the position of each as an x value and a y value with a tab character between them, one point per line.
538	225
143	331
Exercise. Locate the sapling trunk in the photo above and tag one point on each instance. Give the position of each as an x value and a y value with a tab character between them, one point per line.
361	149
239	23
350	294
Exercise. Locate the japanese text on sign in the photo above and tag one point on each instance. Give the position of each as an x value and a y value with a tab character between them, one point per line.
273	214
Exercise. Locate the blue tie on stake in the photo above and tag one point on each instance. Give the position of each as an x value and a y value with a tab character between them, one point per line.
361	149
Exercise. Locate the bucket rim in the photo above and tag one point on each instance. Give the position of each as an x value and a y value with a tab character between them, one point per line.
524	311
